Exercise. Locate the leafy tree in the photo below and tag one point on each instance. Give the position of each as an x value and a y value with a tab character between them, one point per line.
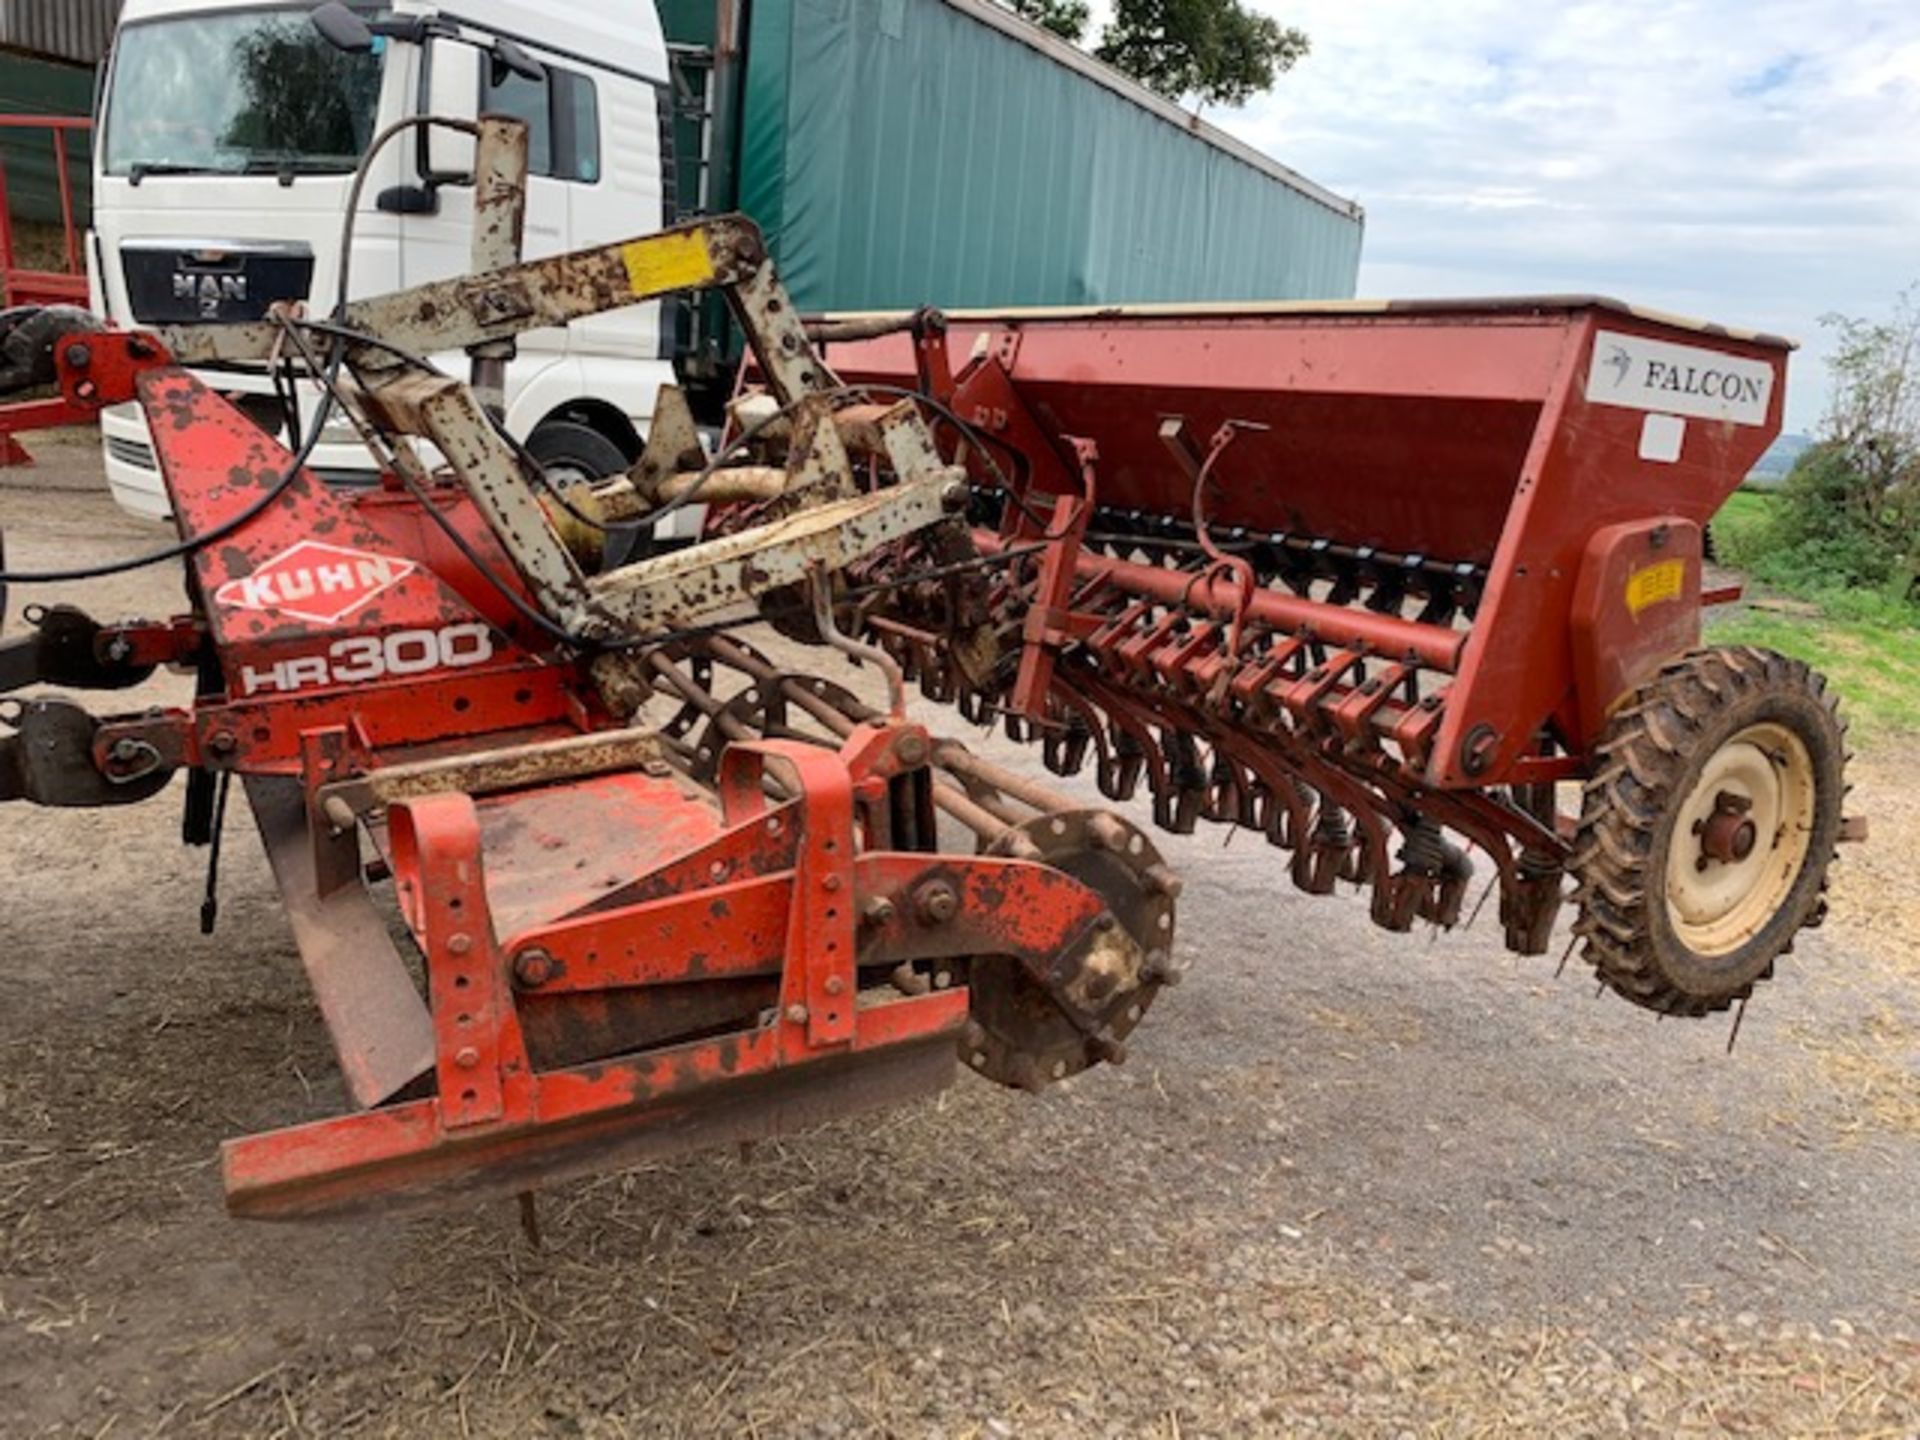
1849	513
302	98
1065	18
1213	51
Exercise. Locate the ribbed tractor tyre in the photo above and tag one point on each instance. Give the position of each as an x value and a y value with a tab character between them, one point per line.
1706	836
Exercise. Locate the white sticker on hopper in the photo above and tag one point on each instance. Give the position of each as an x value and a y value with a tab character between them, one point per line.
1662	437
1642	374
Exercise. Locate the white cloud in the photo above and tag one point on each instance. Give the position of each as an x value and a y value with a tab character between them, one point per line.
1755	162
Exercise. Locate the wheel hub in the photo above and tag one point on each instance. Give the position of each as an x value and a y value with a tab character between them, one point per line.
1727	836
1750	815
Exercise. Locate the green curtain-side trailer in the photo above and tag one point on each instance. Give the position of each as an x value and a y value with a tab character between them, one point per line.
944	152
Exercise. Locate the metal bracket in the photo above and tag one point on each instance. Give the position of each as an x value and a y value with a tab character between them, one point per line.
64	648
49	760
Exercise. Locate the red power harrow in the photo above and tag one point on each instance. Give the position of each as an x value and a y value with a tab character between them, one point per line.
1373	582
638	934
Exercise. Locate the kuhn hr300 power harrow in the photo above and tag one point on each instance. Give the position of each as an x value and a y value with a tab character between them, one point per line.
1371	582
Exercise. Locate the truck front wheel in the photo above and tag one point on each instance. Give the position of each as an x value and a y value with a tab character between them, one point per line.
575	454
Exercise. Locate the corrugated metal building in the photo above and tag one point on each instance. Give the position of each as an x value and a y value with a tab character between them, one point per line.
48	53
75	30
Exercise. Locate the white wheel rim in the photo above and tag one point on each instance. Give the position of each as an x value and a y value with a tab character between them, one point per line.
1717	902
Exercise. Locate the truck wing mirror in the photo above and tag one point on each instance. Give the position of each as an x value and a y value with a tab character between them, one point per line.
453	93
408	200
341	28
509	57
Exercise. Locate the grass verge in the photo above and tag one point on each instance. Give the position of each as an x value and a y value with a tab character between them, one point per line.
1865	642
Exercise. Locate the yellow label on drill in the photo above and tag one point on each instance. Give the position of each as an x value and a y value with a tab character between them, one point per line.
668	262
1654	584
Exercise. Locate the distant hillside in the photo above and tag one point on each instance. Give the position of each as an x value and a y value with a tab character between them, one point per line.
1781	456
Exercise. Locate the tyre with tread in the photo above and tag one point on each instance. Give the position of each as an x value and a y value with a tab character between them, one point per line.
1705	838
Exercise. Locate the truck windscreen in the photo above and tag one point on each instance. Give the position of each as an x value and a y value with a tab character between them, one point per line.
236	93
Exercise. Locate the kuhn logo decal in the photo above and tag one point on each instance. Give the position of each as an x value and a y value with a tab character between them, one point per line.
1641	374
321	583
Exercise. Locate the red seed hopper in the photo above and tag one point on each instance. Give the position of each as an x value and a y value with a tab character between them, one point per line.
1377	579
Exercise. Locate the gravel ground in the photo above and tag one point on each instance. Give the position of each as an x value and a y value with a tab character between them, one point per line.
1348	1184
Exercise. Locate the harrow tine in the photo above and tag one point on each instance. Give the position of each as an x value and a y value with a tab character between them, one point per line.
1560	969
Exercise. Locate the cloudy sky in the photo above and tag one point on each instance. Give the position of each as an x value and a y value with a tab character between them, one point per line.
1755	162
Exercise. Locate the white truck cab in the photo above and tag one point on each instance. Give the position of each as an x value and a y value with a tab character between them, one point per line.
229	134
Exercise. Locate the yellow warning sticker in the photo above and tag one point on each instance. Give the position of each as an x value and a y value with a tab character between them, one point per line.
1654	584
668	262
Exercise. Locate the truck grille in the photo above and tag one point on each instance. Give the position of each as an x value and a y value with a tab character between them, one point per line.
136	453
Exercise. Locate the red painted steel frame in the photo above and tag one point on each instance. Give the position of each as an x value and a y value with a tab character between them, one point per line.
1460	431
792	879
683	895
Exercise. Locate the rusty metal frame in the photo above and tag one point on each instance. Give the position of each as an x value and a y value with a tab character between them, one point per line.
783	888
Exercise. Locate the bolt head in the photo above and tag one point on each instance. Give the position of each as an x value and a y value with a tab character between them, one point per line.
459	944
938	903
834	985
797	1014
533	968
466	1057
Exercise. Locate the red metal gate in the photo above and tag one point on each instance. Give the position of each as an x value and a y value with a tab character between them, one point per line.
36	285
